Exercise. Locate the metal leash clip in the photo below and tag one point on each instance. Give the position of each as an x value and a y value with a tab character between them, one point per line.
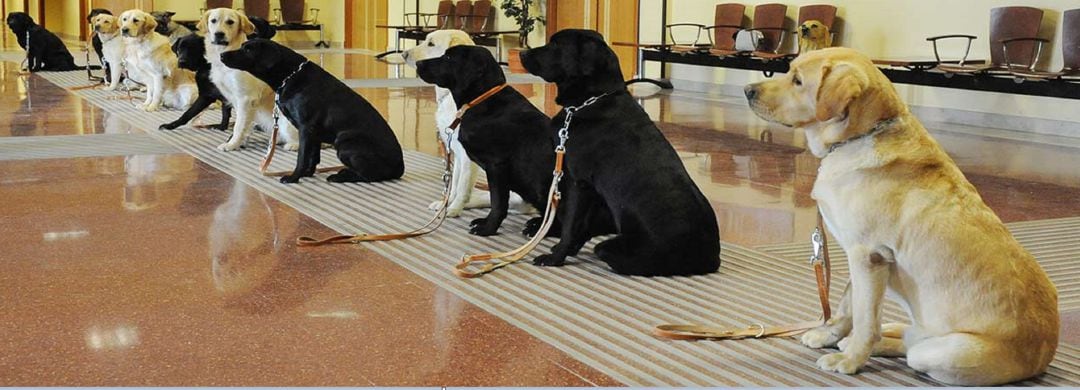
818	243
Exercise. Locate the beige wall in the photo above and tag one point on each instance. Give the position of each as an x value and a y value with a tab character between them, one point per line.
890	28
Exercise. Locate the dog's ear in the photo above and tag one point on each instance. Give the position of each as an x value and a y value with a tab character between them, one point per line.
149	24
246	27
202	22
457	40
170	14
841	83
594	56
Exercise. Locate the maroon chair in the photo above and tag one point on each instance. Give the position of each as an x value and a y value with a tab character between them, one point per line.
1070	51
482	18
727	20
824	13
769	19
462	9
259	8
1006	25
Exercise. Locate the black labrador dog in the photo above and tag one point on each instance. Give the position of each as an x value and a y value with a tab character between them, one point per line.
616	156
323	109
46	52
263	29
506	135
191	53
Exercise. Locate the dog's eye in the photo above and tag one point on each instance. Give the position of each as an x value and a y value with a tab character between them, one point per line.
797	81
213	21
431	44
229	22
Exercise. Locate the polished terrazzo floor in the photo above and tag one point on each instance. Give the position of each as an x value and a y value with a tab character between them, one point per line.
108	276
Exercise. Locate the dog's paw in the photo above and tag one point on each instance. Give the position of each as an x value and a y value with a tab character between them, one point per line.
291	146
290	179
549	261
532	226
229	146
151	107
111	88
477	222
169	126
482	229
819	337
435	206
843	344
839	362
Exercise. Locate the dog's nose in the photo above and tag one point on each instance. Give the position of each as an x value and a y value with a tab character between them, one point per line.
124	30
219	35
750	91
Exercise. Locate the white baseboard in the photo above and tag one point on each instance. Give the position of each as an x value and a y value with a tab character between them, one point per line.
931	114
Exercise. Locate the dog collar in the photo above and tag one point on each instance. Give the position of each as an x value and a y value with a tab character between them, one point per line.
290	76
878	127
479	99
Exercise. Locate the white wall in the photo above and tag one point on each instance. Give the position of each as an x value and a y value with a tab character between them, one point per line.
891	28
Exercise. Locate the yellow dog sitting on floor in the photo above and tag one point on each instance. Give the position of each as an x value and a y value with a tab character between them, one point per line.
814	35
982	311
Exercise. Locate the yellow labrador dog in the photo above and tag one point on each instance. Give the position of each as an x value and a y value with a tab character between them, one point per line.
151	61
226	29
814	35
982	310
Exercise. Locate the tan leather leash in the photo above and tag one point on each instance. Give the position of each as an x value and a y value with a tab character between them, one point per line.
823	275
501	259
264	167
436	221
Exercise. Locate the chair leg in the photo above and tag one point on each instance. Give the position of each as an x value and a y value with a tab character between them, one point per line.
322	39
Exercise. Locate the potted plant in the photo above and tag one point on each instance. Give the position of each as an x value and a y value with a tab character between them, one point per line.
518	10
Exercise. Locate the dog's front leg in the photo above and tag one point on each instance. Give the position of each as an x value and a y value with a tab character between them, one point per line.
155	93
499	181
226	113
838	327
464	176
572	213
114	76
241	127
869	274
307	160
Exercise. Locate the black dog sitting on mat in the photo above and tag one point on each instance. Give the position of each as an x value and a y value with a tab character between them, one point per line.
616	156
323	109
191	53
505	134
46	51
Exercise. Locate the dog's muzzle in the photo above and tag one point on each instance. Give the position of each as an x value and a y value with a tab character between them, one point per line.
751	92
126	31
219	39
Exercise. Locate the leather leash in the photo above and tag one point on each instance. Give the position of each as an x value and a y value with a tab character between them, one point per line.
264	167
501	259
823	275
436	221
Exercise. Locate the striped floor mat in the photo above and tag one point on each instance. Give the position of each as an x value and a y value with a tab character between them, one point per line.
69	146
597	317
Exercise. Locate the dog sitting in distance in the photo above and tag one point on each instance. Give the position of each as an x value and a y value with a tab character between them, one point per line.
107	33
150	61
191	54
324	109
44	50
252	100
463	193
814	35
505	134
616	158
983	312
95	41
167	27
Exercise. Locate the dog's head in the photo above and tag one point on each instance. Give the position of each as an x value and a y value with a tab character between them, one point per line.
813	30
265	59
579	62
834	94
468	70
135	23
95	12
263	29
190	52
225	26
435	45
163	19
106	24
19	22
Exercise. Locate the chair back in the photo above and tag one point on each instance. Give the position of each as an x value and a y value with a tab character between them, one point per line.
292	11
445	18
212	4
729	14
1070	38
260	8
483	18
462	9
1014	22
824	13
770	16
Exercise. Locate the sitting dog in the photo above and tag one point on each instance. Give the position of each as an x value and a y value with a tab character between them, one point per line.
96	43
170	29
191	53
463	195
44	50
983	311
107	32
324	109
618	159
814	35
150	61
226	29
505	134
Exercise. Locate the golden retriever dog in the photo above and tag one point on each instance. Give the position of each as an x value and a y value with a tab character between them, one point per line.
152	62
814	35
982	311
463	195
107	28
226	29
